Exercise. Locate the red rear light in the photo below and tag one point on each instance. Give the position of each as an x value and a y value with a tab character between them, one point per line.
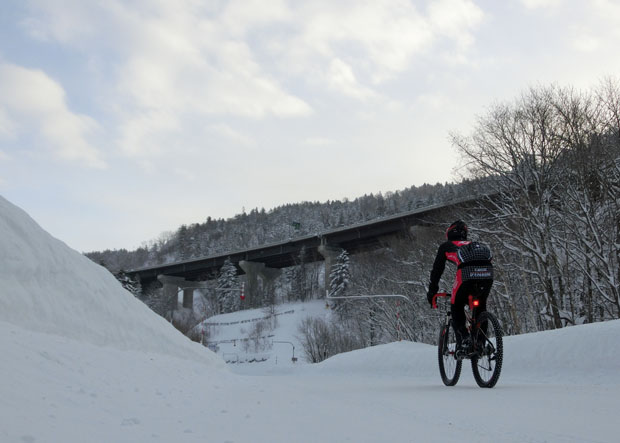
476	303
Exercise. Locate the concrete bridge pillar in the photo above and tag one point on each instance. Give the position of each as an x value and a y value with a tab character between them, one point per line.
253	270
188	298
330	254
171	290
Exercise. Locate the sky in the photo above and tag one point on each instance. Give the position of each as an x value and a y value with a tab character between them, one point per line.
121	120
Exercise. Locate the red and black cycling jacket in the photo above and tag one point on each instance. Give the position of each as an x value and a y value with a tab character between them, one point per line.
448	251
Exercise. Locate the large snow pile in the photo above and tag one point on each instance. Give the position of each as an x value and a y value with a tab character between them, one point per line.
48	287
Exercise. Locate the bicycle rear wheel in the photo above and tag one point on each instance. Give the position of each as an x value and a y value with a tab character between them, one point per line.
449	366
486	362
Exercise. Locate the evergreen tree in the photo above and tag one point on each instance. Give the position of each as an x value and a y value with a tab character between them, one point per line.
128	283
226	291
339	278
183	243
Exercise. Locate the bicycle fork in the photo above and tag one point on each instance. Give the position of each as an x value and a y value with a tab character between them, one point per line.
446	329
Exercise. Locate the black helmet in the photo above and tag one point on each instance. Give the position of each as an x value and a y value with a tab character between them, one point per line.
457	231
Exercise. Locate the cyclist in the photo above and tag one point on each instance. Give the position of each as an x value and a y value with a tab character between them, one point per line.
466	282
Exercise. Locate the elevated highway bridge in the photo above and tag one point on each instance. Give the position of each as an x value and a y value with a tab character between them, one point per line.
267	261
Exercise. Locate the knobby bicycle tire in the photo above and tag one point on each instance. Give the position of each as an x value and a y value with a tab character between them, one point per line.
449	366
487	363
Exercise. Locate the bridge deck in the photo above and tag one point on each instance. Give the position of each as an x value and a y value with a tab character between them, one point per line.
355	238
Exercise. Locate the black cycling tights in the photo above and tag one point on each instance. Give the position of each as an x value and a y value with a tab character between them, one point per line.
479	288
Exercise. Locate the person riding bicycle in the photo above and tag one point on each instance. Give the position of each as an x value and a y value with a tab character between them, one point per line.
469	280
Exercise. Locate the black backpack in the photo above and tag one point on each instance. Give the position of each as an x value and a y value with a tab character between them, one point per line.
475	252
475	258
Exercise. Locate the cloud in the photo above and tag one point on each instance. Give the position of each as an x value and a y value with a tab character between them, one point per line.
224	130
434	101
7	127
175	66
598	27
183	63
586	42
455	19
222	45
33	102
222	78
537	4
319	141
609	13
67	21
378	39
241	17
143	134
342	79
185	174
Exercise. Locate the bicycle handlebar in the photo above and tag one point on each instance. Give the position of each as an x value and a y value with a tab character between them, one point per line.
439	294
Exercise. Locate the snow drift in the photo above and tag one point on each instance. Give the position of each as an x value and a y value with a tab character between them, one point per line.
47	287
585	354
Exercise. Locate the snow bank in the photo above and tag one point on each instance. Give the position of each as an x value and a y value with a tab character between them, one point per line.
402	358
48	287
585	354
577	354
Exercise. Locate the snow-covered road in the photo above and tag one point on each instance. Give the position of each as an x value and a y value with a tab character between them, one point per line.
60	390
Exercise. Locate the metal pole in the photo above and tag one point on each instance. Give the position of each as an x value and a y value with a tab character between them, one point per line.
276	341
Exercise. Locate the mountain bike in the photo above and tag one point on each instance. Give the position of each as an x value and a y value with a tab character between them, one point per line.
486	352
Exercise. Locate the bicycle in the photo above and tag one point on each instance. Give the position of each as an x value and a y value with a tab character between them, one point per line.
487	350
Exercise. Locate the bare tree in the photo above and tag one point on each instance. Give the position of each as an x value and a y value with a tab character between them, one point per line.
322	339
549	159
590	129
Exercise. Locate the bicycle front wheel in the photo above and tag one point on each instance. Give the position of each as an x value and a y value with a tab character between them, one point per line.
486	361
449	366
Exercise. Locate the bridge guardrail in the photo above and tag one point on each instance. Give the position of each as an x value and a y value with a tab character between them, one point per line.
250	320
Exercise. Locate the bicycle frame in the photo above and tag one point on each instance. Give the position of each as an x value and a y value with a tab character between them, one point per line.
474	302
470	319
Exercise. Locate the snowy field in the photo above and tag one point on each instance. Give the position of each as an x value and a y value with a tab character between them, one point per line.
83	361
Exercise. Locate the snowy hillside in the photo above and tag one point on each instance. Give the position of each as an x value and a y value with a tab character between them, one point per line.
83	361
229	335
